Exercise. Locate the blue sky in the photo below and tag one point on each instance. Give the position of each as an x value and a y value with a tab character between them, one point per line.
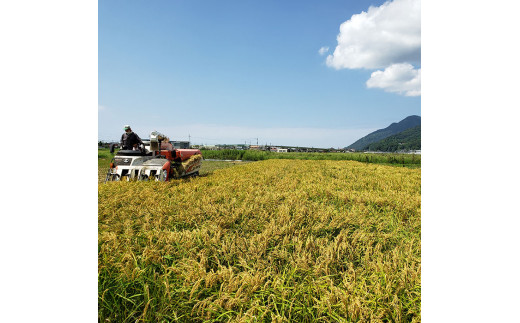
234	71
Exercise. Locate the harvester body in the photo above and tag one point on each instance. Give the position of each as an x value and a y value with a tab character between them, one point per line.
156	160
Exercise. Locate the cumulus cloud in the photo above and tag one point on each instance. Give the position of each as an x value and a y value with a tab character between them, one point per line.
398	78
385	37
323	50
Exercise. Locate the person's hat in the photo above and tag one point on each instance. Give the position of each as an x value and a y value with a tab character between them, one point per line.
127	127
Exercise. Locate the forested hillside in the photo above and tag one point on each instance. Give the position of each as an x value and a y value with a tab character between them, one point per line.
409	139
393	129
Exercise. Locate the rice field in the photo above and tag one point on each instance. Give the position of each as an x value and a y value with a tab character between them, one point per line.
268	241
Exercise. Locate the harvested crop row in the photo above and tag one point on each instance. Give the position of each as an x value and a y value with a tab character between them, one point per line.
276	240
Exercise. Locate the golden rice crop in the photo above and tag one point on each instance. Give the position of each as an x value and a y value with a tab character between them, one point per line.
277	240
185	166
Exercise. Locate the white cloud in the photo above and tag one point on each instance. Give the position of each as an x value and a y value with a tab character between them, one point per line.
384	35
389	37
397	78
323	50
101	108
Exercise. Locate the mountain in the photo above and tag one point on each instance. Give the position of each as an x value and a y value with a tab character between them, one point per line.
393	129
410	139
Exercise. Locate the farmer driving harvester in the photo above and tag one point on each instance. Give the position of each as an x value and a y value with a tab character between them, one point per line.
130	140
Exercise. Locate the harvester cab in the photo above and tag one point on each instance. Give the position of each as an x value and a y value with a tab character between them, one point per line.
156	160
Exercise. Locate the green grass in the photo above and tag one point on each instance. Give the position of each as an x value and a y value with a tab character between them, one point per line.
104	159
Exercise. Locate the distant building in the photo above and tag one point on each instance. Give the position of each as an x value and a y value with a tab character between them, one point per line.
242	147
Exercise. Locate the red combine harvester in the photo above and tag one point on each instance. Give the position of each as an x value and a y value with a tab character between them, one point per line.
158	161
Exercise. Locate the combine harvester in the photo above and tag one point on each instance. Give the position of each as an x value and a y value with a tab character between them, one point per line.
156	160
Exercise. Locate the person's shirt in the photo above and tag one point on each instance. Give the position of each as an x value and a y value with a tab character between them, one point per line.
129	139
